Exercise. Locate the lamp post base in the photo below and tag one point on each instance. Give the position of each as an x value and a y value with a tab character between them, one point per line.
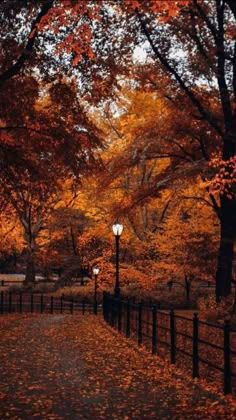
117	291
95	306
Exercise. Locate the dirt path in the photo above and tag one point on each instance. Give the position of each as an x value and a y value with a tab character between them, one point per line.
75	367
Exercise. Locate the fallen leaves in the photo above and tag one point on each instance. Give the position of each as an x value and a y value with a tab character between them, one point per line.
77	367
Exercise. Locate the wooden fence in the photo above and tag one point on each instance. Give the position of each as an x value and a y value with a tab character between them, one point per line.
202	348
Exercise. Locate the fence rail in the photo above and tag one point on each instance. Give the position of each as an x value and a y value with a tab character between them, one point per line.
206	349
39	303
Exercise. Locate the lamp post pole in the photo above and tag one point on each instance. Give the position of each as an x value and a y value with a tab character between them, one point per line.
117	230
95	272
117	283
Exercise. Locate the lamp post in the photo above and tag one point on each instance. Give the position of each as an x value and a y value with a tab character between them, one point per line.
117	230
95	273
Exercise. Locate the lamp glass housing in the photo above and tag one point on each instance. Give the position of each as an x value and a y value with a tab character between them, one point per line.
117	228
95	271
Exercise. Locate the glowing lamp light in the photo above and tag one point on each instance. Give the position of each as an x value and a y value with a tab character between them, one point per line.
117	228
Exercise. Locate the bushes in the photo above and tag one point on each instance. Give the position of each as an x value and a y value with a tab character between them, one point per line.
80	293
213	311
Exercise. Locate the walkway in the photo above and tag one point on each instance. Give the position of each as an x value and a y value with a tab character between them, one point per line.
75	367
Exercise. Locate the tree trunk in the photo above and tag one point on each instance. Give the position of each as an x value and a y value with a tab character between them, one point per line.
73	240
30	269
226	248
227	218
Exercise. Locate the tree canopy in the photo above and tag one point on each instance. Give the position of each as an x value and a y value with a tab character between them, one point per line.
132	104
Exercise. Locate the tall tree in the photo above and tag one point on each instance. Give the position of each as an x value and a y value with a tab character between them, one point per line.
45	134
44	141
196	50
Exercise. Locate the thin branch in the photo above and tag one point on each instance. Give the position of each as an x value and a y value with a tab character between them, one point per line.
191	155
112	126
168	155
214	203
26	54
193	197
133	225
205	18
202	146
194	35
195	101
24	127
164	211
10	230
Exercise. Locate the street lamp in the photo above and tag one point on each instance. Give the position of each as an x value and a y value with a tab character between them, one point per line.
117	230
95	273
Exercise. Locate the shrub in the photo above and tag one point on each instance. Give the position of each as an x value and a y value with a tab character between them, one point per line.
214	311
80	293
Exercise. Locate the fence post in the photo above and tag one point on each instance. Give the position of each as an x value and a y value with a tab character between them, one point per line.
128	319
172	336
20	302
32	303
41	304
2	302
140	335
195	347
119	325
227	364
51	309
83	307
104	306
9	302
95	307
154	330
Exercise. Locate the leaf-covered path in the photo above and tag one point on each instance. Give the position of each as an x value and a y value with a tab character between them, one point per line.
76	367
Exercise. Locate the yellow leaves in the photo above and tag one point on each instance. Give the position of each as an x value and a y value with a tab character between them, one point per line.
43	102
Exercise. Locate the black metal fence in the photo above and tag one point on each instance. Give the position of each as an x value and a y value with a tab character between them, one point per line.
203	348
39	303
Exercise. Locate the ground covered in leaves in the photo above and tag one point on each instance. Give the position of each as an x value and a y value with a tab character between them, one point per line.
77	367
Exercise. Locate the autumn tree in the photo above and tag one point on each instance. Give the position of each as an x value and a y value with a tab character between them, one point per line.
190	51
152	182
40	150
194	50
46	137
190	44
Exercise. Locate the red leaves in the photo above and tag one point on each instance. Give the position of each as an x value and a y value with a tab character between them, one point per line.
166	8
72	367
223	180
